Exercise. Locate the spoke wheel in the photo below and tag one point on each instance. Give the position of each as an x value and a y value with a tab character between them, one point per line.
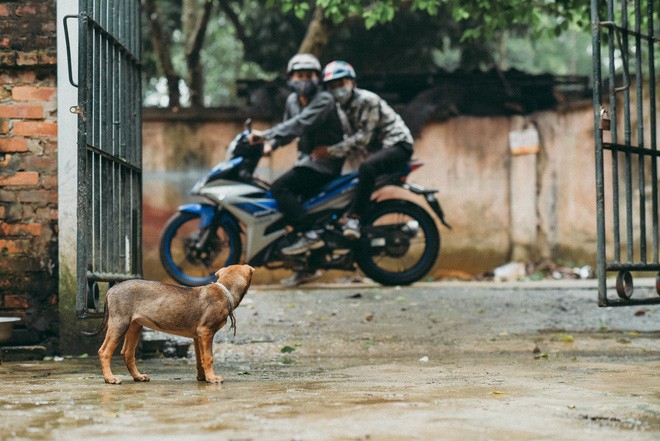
400	243
192	256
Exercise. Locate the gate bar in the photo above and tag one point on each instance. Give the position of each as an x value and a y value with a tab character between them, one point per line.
631	164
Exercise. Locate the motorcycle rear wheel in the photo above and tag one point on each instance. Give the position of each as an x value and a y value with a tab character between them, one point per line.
400	243
194	263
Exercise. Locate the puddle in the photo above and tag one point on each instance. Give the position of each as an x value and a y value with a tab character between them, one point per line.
407	373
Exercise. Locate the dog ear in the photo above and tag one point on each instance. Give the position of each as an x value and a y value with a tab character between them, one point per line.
236	278
221	271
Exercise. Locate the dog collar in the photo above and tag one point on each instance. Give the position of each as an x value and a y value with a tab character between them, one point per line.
230	299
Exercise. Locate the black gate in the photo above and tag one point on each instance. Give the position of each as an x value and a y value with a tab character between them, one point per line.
109	148
626	146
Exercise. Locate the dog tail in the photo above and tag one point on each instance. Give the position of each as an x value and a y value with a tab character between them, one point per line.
104	323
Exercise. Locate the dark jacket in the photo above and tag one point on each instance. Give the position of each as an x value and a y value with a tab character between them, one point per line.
316	124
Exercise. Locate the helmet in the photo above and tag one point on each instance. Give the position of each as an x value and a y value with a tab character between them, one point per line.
303	62
336	70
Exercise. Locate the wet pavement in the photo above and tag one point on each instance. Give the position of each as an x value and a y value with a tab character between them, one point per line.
435	361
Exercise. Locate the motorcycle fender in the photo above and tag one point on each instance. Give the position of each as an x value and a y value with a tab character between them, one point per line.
429	195
205	211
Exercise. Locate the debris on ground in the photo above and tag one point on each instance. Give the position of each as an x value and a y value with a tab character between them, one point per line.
524	271
510	271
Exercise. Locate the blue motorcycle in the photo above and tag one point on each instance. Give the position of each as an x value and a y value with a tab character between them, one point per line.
237	220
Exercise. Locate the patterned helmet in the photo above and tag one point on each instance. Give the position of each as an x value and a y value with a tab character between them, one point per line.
336	70
303	62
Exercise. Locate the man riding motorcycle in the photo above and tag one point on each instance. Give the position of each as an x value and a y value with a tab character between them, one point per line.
310	116
238	218
377	131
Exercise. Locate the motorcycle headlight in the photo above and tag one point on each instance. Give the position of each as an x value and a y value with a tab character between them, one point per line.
197	188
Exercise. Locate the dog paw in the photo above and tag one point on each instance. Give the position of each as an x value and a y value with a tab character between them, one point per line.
142	378
201	378
113	380
214	380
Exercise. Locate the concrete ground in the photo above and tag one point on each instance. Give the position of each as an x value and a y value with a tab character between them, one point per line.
451	361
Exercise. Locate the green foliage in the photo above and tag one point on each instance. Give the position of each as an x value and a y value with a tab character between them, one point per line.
407	44
568	54
222	55
493	15
379	36
224	64
299	9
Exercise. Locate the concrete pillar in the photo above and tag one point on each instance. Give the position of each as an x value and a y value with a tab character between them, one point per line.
523	188
71	342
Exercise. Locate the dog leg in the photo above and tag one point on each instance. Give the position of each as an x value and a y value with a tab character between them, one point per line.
106	350
205	337
128	351
198	358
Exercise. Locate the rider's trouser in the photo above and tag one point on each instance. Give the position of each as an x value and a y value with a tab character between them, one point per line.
291	186
383	161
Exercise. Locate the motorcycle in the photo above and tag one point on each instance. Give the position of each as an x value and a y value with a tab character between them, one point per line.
237	218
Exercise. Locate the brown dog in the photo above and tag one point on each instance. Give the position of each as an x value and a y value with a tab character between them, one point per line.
197	313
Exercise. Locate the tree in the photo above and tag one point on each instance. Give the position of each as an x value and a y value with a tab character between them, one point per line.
488	17
194	23
388	35
318	33
161	47
194	28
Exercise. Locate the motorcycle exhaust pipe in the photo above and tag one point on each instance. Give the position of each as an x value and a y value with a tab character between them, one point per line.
411	228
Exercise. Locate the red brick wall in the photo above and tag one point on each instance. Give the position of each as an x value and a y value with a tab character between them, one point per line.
28	169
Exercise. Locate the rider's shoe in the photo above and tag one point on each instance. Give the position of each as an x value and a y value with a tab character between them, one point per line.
351	228
300	277
308	241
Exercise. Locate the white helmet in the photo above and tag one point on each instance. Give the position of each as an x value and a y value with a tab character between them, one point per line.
303	62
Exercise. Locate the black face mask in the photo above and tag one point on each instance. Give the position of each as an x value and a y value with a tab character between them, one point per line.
306	88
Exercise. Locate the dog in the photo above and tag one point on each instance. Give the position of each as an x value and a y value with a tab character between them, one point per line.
197	313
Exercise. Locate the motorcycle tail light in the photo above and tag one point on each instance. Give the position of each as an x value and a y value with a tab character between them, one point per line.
413	166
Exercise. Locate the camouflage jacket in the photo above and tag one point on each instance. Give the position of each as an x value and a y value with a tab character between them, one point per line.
374	123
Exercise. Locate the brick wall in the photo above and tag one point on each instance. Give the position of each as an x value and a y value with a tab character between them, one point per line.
28	169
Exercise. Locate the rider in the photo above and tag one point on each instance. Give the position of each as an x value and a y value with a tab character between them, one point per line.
311	116
378	131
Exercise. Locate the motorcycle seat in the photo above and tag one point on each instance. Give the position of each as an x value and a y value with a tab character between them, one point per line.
339	181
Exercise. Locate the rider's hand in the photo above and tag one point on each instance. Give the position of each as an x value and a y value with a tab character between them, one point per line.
320	152
268	149
255	137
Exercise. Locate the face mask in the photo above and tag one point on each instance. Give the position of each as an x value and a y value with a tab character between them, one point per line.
342	94
306	88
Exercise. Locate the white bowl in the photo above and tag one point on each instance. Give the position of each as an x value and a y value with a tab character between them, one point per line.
6	327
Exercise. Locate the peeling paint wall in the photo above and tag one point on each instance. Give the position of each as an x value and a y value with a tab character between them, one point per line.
502	207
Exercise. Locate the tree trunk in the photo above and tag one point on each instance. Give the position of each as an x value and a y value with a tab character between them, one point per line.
194	42
161	44
238	27
318	34
501	51
189	14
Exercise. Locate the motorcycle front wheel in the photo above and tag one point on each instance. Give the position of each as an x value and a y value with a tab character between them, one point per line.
191	255
399	244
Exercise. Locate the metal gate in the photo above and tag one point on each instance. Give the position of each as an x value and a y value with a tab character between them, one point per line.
109	148
624	61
